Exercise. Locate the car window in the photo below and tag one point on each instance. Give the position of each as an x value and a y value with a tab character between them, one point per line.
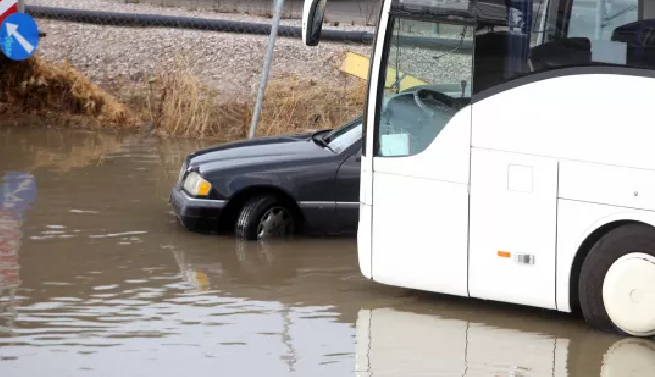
345	136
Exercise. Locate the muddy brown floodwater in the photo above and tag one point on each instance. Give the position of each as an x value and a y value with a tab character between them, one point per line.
102	281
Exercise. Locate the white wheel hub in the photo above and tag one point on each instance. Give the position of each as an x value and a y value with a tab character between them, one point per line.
629	294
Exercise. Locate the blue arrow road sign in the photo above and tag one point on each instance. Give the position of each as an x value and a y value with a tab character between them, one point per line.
19	36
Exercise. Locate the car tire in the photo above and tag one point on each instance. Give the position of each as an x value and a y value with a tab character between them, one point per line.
264	217
617	282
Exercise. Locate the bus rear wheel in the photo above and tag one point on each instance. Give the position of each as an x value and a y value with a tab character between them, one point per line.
617	282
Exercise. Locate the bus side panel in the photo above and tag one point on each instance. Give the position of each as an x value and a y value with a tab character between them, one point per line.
512	239
576	220
364	240
420	213
420	233
603	118
590	196
603	184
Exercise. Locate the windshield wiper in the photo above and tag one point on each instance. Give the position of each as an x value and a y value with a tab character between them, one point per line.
320	140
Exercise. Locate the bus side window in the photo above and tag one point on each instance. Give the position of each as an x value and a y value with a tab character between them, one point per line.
565	33
640	37
502	52
616	30
640	40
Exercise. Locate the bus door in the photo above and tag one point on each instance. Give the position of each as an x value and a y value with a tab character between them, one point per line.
421	150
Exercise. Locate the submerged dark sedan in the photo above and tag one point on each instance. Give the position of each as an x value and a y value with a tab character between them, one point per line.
274	186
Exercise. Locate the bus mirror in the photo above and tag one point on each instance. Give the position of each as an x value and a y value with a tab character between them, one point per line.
312	21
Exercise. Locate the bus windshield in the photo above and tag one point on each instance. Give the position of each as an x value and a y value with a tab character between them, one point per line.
428	79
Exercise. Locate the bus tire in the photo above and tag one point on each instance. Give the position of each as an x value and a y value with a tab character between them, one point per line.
617	282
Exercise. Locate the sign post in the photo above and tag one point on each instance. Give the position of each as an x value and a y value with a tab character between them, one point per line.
257	112
19	35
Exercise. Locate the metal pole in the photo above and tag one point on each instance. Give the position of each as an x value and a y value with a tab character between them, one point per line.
21	6
277	10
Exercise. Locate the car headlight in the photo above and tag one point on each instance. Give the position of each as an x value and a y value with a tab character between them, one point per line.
196	185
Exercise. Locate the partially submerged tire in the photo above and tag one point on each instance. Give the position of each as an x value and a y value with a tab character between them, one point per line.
617	282
264	217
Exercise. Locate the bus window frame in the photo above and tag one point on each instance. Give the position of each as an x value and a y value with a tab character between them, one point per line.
368	82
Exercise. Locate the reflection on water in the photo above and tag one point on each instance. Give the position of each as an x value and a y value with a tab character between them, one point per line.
111	285
17	191
450	342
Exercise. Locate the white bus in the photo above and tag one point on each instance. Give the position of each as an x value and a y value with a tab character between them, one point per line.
509	153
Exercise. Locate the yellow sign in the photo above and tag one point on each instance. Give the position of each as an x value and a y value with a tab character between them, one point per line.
357	65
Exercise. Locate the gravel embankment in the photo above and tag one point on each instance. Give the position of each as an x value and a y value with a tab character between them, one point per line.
229	62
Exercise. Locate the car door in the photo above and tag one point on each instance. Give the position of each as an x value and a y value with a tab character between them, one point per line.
347	196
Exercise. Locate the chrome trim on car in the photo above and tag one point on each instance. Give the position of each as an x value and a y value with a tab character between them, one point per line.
314	204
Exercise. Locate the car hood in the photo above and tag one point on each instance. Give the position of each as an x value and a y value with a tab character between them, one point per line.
274	149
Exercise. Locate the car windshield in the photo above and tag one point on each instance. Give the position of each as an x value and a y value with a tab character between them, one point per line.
343	137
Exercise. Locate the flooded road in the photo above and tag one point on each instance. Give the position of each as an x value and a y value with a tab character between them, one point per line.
102	281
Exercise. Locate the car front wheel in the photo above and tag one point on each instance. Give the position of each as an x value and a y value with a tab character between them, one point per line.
264	217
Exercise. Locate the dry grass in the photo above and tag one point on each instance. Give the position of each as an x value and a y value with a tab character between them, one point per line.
181	105
292	104
176	103
59	93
